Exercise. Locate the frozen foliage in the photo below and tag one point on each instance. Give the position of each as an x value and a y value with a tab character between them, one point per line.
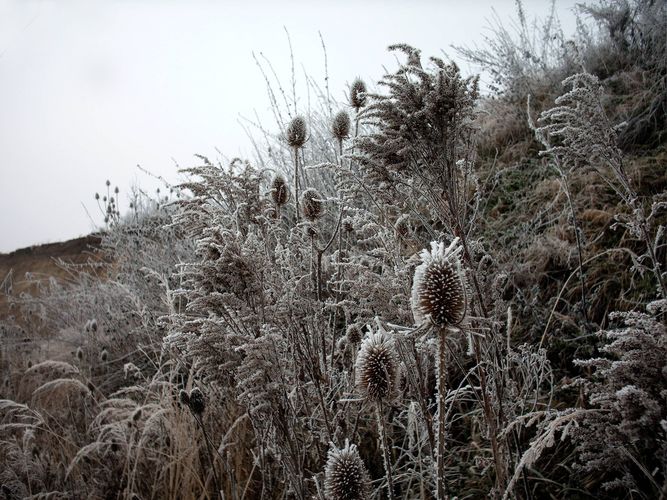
624	442
381	274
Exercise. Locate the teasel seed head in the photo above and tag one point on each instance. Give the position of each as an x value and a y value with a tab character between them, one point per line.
345	475
184	397
377	367
353	334
358	94
340	126
311	204
297	132
439	287
197	401
280	191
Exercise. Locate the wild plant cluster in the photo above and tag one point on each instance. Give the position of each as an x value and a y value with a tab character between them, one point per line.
392	300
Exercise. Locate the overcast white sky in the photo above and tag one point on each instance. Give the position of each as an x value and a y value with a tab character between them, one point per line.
90	89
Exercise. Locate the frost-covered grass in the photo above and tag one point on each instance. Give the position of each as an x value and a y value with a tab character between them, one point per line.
277	328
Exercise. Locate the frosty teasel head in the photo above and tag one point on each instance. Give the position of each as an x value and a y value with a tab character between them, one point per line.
280	191
340	126
311	204
195	400
358	94
345	475
377	367
439	286
296	132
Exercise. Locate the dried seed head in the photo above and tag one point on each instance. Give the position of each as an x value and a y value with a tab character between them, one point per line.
346	477
136	416
340	126
197	401
296	132
79	354
439	286
311	204
377	367
353	334
358	94
104	355
279	191
184	397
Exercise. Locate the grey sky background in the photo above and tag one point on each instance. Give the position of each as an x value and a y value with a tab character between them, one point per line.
90	89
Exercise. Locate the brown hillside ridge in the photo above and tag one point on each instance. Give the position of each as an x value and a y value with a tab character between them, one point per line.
42	262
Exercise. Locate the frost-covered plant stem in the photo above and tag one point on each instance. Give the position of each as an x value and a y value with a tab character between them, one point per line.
296	182
577	234
209	452
441	486
385	449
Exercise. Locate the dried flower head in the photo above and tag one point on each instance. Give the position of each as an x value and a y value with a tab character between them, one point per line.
346	477
311	204
184	397
377	367
297	132
197	401
358	94
353	334
439	286
280	191
340	126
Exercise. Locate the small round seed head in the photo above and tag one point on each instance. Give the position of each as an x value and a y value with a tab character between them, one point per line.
312	205
280	191
377	367
104	355
97	196
345	475
136	416
296	132
439	286
358	94
353	334
197	401
108	183
340	126
184	397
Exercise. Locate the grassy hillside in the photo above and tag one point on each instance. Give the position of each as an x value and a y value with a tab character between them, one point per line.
423	292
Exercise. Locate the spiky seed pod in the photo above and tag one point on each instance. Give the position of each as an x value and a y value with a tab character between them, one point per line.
358	94
377	367
345	475
280	191
136	416
439	286
197	401
353	334
340	126
296	132
311	204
